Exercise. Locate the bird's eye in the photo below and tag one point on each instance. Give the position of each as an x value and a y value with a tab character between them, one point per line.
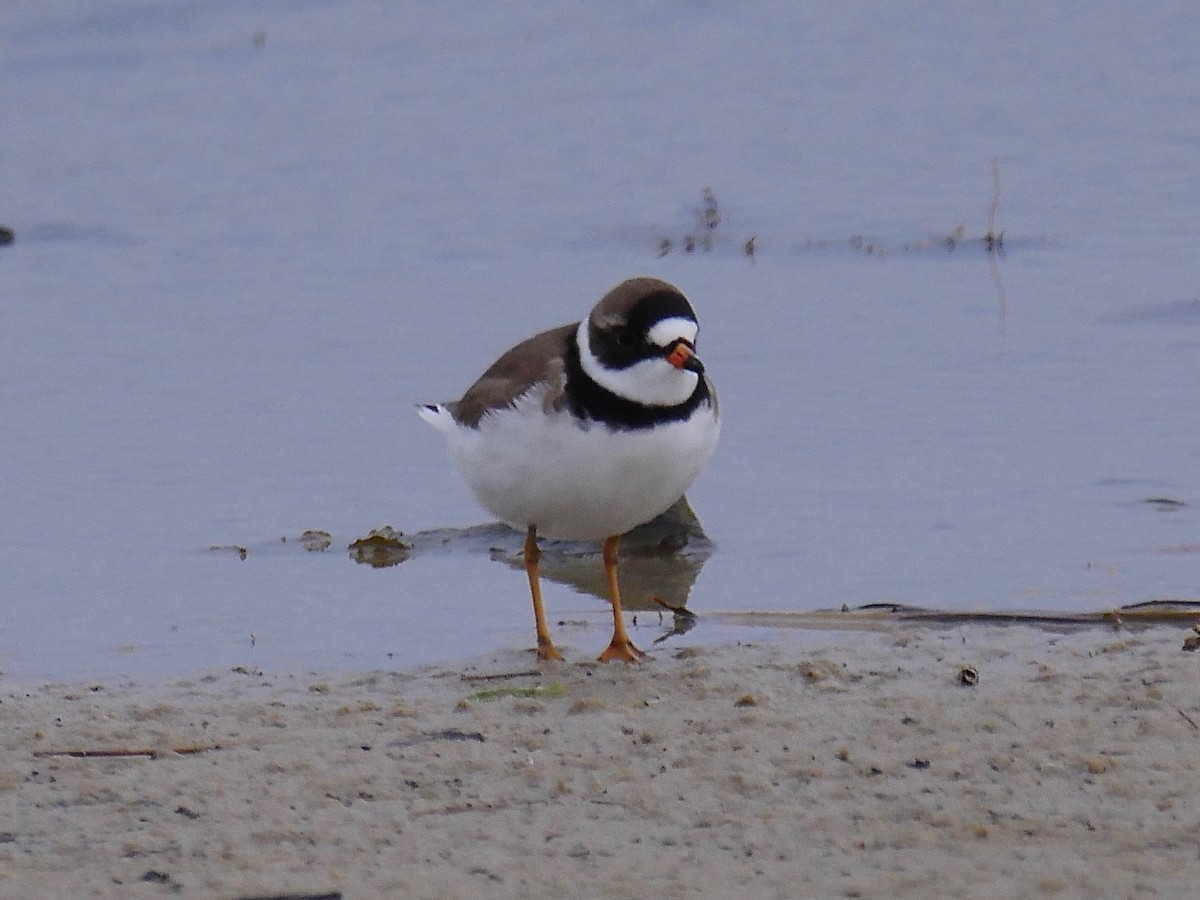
626	338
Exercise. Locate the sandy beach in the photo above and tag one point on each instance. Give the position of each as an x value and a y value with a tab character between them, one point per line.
839	765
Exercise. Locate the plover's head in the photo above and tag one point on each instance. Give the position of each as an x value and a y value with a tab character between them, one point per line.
640	343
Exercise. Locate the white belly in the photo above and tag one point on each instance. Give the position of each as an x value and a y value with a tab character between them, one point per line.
530	468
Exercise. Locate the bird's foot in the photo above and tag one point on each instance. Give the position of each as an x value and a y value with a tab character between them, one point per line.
547	651
622	651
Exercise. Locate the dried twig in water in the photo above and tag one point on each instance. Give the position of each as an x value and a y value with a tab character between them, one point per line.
708	219
1188	719
1001	293
707	222
992	240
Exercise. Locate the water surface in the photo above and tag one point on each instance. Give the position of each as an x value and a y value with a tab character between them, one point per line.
249	238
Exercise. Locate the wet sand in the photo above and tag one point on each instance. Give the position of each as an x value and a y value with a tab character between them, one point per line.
837	765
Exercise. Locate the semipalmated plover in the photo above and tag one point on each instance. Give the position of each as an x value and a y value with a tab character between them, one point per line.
588	430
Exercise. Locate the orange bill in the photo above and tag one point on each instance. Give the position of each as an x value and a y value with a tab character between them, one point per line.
679	356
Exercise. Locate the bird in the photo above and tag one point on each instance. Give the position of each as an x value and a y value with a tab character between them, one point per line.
585	431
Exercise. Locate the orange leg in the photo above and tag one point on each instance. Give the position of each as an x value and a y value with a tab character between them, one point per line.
621	647
545	646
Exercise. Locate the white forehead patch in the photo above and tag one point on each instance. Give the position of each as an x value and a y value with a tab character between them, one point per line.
668	331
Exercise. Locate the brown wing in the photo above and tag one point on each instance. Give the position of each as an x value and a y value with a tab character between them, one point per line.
541	357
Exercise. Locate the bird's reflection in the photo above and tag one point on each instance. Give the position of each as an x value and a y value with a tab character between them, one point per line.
660	560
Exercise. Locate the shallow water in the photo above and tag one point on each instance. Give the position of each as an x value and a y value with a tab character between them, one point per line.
249	239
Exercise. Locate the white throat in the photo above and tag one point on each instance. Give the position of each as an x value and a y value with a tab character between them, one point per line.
652	382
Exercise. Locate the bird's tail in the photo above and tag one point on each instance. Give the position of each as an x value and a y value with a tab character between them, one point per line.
436	415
